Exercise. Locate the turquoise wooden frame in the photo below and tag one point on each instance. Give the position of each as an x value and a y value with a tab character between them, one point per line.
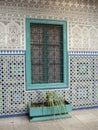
29	84
45	113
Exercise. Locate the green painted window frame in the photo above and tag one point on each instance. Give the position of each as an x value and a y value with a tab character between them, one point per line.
29	85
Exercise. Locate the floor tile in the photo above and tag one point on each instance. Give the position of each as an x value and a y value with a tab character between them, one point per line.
87	117
81	120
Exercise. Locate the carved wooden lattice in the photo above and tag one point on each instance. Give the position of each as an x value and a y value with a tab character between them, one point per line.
47	53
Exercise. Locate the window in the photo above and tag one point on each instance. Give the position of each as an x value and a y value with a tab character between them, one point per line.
46	54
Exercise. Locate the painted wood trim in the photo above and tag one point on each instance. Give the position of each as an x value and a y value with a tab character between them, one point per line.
29	84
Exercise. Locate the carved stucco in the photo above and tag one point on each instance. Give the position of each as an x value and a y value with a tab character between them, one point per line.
10	35
84	38
81	16
2	35
13	34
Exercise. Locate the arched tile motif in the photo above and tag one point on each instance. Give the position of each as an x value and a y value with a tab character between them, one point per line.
2	34
85	38
76	37
13	34
93	38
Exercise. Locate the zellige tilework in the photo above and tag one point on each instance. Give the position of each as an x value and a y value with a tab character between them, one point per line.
82	24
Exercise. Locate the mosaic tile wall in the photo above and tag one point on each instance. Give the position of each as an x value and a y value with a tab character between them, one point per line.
83	77
14	98
82	19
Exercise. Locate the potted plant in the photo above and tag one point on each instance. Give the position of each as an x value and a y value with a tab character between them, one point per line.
53	108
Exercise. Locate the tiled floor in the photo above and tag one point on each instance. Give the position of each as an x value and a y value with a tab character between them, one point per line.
81	120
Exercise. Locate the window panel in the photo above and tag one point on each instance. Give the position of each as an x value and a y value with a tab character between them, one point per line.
46	49
42	54
54	54
37	54
37	73
55	73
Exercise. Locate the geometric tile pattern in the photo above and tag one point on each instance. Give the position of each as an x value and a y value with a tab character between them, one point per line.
11	70
83	77
14	98
12	82
82	94
95	92
81	68
0	99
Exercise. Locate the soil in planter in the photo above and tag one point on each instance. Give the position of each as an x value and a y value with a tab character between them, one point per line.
47	104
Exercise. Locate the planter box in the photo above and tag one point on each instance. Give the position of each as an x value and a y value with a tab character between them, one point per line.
48	112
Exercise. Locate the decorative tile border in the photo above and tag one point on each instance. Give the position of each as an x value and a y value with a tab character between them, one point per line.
12	52
83	53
